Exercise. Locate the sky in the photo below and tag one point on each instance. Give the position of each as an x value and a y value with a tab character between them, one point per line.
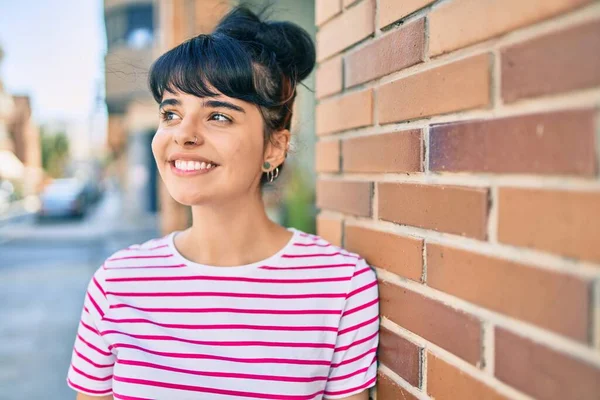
54	52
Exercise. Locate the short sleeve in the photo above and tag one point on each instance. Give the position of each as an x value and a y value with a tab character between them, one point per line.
92	361
354	364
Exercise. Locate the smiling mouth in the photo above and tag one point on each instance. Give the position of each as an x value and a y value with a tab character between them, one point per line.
182	167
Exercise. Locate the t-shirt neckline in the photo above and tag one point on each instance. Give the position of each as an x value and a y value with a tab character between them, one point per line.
273	259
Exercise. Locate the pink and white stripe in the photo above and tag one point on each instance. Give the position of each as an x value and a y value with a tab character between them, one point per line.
302	324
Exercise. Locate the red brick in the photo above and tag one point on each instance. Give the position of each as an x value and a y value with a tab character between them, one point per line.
330	229
562	222
395	51
352	110
392	10
389	390
452	209
389	152
329	77
461	85
541	372
327	156
456	24
399	355
555	63
445	381
401	255
346	29
558	143
552	300
325	9
446	327
345	196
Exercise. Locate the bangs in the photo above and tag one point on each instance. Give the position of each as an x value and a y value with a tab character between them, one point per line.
203	64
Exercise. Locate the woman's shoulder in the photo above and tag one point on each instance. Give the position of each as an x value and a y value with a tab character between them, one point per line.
324	258
315	241
307	244
150	252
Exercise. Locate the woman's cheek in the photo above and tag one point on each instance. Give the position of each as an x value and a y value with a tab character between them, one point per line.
159	146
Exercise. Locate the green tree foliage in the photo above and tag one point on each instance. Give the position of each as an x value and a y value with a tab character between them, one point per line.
298	204
55	153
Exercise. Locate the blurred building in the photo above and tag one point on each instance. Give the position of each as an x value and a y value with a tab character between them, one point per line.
20	153
25	136
131	43
6	107
138	32
9	164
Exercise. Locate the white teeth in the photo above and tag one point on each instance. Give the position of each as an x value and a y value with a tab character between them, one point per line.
192	165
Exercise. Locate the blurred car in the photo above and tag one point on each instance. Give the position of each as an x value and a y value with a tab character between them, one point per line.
63	198
93	190
89	173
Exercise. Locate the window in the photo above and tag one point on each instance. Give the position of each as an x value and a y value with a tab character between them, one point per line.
131	25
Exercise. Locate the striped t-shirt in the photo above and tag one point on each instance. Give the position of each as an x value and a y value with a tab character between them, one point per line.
301	324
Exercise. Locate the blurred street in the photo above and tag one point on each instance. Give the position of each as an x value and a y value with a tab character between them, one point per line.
44	269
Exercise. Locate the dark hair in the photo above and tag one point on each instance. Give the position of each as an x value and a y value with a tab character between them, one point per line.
245	57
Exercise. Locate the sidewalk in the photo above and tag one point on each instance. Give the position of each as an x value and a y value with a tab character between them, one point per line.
16	211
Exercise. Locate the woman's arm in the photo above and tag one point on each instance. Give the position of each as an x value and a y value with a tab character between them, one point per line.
354	362
89	369
364	395
82	396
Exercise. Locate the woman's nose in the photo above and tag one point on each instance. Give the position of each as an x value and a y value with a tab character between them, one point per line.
185	136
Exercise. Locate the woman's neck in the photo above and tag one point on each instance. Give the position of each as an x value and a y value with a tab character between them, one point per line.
235	233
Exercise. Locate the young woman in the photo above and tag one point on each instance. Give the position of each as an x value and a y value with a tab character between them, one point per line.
236	306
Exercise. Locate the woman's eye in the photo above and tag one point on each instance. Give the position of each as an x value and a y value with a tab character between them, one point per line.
220	117
168	115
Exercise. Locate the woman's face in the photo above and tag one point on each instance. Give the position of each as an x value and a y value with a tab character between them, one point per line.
208	149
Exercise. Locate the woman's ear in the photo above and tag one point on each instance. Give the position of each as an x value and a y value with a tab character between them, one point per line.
277	148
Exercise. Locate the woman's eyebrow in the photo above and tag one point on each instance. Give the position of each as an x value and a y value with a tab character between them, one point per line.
169	102
223	104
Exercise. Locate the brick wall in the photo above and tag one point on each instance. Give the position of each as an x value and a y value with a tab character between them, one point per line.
458	153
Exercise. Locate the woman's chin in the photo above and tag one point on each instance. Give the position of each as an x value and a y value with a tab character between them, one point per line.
188	199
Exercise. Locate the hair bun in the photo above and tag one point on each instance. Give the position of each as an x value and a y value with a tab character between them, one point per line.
292	46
